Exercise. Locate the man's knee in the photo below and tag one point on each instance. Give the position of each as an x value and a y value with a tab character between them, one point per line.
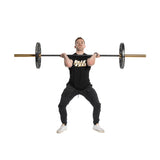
62	106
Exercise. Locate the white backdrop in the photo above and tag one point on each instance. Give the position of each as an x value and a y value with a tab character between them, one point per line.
29	114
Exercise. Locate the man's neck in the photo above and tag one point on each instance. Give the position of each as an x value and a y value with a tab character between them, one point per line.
80	52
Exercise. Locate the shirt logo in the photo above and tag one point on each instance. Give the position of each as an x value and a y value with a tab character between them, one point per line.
81	63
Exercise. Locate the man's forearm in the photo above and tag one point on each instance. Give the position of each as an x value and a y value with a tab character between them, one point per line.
91	60
68	62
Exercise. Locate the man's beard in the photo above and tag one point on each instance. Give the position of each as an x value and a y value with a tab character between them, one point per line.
79	49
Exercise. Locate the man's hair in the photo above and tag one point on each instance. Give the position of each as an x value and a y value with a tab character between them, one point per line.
78	39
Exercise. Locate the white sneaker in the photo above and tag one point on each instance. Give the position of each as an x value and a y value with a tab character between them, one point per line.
97	128
62	128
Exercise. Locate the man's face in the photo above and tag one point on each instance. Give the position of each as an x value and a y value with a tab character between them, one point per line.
80	45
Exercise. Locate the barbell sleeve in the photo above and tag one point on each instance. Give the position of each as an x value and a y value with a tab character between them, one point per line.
24	55
135	55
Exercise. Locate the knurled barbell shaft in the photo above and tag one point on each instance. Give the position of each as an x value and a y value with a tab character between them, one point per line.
55	55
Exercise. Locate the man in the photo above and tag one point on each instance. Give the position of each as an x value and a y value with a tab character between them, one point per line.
79	65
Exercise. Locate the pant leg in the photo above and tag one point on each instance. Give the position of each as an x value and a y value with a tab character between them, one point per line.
91	95
67	95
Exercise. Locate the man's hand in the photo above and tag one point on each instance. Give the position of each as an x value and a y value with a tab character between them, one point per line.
97	54
63	55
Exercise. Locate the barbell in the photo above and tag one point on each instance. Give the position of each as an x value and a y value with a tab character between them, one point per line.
121	55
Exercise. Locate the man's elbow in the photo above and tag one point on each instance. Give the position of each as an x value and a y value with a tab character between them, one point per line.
69	65
90	63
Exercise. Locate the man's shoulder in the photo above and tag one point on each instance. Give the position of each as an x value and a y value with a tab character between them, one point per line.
72	56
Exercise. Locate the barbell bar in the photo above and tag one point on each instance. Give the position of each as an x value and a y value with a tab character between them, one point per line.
121	55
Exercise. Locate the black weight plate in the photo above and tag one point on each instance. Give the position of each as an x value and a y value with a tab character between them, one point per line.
38	55
122	55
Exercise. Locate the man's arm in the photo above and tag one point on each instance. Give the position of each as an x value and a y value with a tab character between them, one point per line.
67	62
92	59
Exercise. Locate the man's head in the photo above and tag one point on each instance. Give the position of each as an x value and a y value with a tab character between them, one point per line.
80	44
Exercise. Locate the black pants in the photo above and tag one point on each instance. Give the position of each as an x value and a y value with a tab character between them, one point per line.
89	93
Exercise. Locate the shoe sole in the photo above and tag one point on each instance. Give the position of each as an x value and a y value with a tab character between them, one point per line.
98	131
61	131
